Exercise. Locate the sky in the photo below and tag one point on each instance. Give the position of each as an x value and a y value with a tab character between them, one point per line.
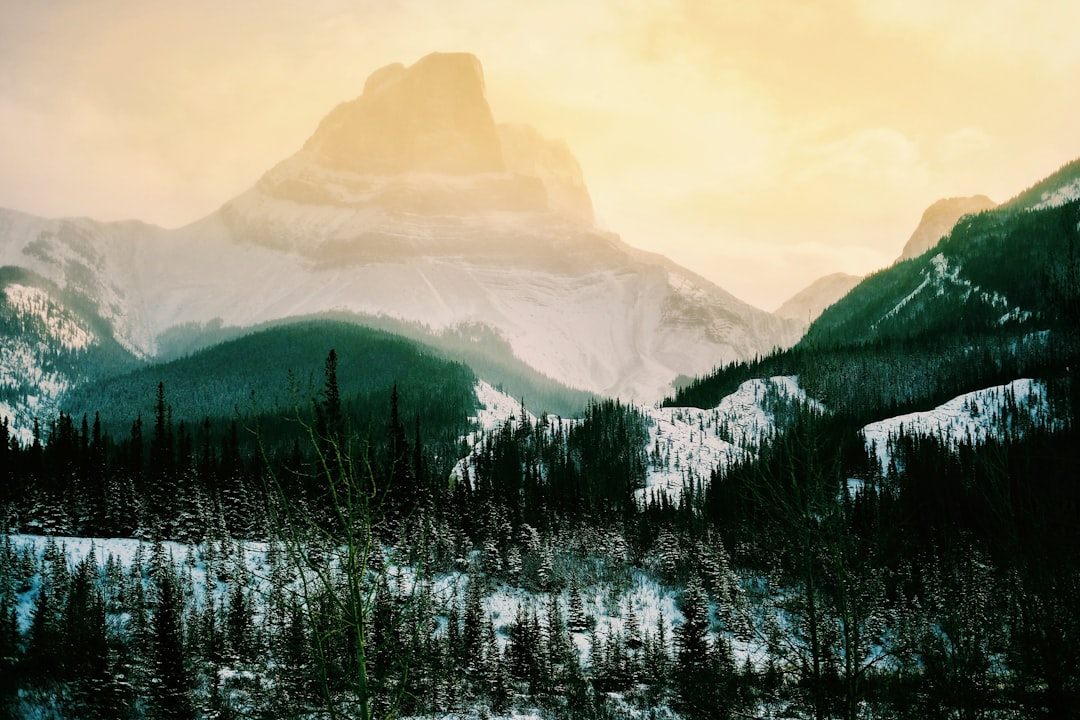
762	144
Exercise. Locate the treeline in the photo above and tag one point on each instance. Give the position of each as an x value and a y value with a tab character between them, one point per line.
884	378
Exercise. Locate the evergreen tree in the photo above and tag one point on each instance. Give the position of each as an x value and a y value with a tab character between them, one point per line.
576	620
238	622
97	693
170	683
43	654
473	624
692	668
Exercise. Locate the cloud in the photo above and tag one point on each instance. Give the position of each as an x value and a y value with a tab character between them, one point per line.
960	145
880	157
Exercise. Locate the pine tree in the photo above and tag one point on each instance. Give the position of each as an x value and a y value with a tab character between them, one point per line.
43	655
294	660
692	667
238	622
473	627
657	656
170	683
97	694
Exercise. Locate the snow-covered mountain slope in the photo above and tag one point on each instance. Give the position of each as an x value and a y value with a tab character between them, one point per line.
1058	189
993	412
411	203
684	445
48	343
95	263
942	278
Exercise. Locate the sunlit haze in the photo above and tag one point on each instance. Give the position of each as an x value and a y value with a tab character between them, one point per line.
761	144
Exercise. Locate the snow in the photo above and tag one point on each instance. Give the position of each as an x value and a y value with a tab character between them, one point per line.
685	444
1059	196
61	325
941	274
496	408
972	417
691	442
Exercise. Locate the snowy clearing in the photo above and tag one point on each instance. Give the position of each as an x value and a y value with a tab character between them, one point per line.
972	417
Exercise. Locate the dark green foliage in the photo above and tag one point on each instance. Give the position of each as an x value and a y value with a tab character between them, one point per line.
170	680
250	376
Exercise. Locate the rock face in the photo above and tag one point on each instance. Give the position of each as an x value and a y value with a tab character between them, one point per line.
939	220
528	153
806	305
430	117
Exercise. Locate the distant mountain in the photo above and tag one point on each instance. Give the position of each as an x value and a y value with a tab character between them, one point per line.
807	304
939	219
411	203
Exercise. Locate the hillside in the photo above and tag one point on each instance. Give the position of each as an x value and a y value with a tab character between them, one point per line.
276	372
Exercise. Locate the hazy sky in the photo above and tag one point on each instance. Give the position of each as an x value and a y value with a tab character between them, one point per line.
763	143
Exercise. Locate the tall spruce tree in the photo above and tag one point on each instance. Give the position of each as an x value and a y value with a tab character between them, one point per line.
171	696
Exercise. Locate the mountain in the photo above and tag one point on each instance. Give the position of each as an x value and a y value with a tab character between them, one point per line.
998	299
807	304
52	341
997	270
410	202
1058	189
939	219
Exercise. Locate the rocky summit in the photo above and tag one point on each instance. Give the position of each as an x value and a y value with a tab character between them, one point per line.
430	117
938	220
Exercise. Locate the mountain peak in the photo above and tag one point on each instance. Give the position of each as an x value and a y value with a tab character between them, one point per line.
939	219
432	117
807	304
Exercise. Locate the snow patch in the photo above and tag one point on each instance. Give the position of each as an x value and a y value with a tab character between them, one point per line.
1058	197
974	417
61	325
686	444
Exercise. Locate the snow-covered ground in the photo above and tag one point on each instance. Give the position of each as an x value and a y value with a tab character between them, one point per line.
971	417
605	604
689	443
1060	196
685	443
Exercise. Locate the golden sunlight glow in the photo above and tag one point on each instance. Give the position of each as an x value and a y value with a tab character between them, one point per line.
762	144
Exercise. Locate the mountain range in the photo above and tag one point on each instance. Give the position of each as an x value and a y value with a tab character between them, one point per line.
408	208
408	203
